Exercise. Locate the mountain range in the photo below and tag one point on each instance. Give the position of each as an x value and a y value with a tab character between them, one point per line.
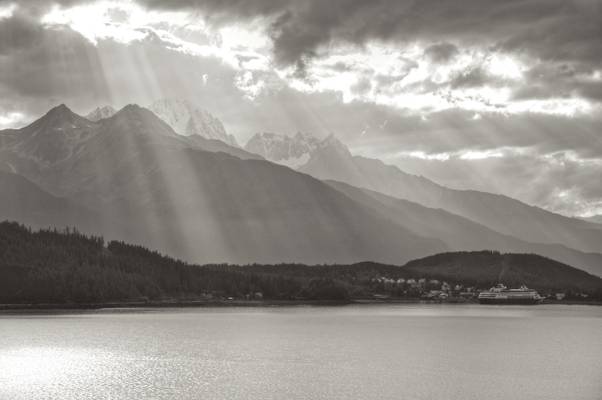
132	176
185	118
459	233
331	160
133	170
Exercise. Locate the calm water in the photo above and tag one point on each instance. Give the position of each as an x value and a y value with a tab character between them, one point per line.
351	352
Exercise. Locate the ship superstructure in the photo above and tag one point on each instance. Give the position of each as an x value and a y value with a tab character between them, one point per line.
500	294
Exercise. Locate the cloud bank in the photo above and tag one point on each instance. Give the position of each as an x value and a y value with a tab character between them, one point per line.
478	93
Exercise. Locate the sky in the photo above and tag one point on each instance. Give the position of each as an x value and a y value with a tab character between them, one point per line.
501	96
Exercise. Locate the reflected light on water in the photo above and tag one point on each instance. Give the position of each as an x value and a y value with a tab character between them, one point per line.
38	364
37	369
364	352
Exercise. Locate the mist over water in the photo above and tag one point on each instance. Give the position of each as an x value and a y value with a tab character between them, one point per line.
367	352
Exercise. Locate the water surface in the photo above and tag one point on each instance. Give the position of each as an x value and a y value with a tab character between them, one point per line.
346	352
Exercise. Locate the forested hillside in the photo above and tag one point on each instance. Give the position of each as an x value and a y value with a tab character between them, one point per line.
483	268
65	266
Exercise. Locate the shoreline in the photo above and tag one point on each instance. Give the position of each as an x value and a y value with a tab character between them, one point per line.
241	303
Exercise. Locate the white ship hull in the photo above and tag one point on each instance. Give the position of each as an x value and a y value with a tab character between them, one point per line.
502	295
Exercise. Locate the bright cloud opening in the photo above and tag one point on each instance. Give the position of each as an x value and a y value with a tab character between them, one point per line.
7	10
11	119
240	47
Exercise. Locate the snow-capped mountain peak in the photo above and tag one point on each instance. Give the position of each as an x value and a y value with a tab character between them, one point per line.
187	119
101	113
334	144
292	151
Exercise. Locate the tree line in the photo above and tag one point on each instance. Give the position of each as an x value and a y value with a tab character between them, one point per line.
66	266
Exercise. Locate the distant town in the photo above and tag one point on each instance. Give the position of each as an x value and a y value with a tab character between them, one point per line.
436	290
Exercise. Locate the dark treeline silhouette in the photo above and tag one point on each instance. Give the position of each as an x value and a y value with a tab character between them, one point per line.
65	266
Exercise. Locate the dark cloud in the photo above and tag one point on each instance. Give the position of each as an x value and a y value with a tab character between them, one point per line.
450	130
342	67
474	77
566	33
362	86
441	52
18	32
552	29
24	29
562	36
39	67
592	91
548	80
49	66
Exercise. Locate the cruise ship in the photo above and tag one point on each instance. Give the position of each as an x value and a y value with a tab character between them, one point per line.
500	294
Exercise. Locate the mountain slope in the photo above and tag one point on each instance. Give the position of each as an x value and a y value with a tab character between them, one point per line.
331	160
22	200
213	207
459	233
597	219
486	268
216	146
500	213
